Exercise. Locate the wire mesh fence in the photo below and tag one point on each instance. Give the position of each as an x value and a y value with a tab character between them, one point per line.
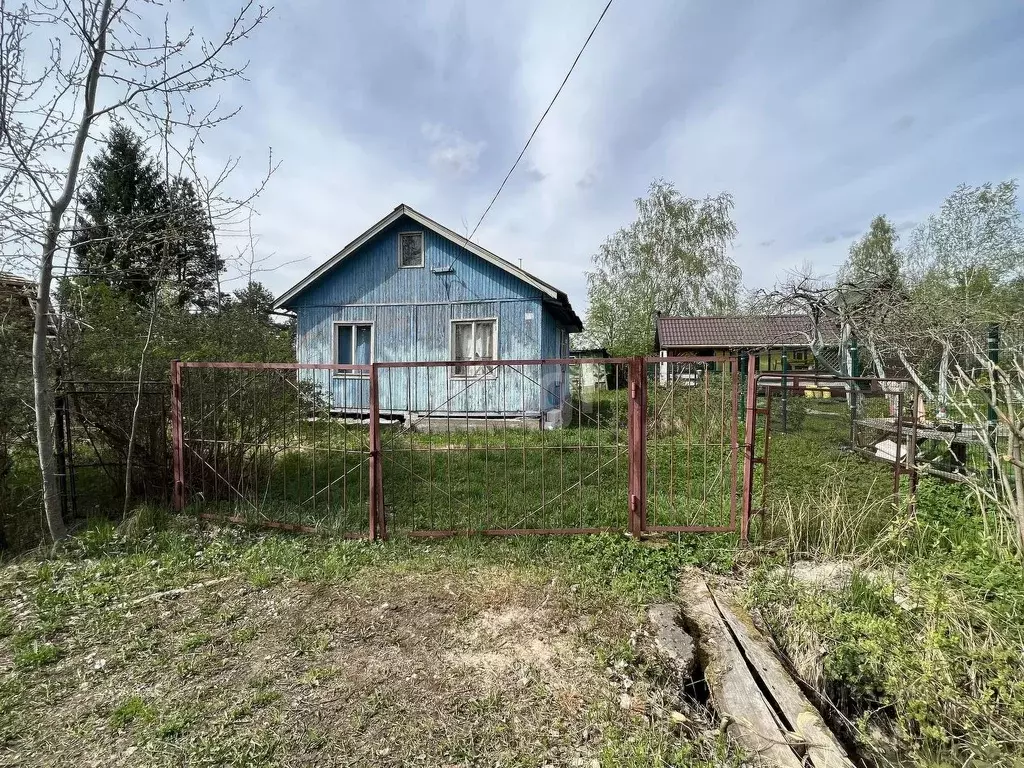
111	439
436	448
813	429
692	443
261	443
509	447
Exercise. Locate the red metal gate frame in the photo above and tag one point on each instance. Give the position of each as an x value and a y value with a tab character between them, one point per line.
752	459
636	438
735	446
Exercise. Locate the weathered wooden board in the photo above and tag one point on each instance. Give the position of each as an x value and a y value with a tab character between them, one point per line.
734	690
823	749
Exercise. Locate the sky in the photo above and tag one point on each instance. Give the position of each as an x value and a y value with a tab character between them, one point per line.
815	116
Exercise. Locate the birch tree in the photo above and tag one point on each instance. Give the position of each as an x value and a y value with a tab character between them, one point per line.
674	258
65	69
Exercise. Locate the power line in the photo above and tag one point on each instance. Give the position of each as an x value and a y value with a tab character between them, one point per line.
537	126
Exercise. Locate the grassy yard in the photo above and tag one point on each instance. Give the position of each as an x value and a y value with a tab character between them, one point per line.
226	647
221	647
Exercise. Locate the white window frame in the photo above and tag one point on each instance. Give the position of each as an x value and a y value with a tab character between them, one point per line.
490	372
334	345
423	250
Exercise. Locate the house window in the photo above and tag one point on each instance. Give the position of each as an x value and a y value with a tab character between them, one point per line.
353	344
410	249
474	340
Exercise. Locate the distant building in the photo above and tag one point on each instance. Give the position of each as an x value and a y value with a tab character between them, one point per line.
594	375
764	337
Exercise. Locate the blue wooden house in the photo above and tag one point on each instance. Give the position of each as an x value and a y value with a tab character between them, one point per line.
409	289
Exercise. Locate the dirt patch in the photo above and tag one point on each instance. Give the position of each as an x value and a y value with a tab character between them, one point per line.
489	667
500	641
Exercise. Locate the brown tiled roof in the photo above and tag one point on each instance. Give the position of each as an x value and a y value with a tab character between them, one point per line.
734	331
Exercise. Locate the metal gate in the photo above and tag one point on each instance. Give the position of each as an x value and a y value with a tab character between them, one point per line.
497	447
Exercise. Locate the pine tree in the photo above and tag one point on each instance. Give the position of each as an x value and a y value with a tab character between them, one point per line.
874	259
255	299
138	234
121	208
191	257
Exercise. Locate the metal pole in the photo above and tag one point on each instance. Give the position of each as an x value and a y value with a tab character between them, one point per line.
785	396
744	373
637	447
993	356
749	437
177	438
376	486
63	445
854	388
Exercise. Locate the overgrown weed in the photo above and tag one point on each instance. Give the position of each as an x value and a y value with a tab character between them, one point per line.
923	639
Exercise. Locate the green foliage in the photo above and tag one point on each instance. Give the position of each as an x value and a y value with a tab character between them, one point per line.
131	710
874	258
925	637
139	232
967	261
673	258
29	653
16	414
112	334
255	300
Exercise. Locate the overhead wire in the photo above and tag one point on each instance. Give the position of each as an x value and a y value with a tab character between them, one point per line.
541	120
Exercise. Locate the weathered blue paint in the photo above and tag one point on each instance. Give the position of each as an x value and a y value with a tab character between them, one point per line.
411	311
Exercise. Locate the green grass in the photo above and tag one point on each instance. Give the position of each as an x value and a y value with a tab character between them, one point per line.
313	649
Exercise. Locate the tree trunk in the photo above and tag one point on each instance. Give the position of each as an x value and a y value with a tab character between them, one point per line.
41	385
42	388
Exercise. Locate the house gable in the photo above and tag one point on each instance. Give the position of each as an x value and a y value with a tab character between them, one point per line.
367	271
371	274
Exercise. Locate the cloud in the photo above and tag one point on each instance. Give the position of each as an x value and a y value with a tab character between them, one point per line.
902	123
798	110
450	151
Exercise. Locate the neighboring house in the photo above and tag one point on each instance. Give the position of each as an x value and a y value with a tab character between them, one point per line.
764	337
409	289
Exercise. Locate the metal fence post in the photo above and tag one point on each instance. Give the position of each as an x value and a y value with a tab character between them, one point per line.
785	394
992	344
177	439
637	447
749	439
377	523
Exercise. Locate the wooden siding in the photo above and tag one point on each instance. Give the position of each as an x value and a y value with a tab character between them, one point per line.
372	276
412	310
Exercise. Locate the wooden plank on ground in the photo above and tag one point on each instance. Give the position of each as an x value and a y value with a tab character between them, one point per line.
734	691
801	717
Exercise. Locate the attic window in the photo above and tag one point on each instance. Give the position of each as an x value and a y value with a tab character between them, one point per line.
410	249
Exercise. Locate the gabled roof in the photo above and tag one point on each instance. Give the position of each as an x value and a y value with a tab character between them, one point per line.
549	291
733	331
